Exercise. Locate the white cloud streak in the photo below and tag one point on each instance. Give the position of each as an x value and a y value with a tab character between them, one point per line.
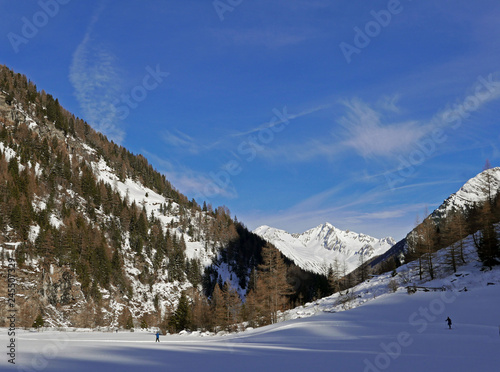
370	132
176	138
191	182
370	137
179	139
97	83
274	123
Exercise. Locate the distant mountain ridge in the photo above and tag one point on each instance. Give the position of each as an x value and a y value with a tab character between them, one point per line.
317	249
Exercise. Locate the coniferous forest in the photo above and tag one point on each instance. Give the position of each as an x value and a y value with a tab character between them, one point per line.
111	256
53	203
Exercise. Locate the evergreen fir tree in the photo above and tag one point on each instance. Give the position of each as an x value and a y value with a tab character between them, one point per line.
487	243
180	319
39	322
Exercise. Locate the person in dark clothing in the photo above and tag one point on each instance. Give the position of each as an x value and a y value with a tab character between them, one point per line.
157	336
448	320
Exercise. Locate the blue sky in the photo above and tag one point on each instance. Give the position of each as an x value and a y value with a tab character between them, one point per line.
289	112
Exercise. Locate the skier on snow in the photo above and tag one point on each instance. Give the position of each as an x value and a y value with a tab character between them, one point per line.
449	322
157	336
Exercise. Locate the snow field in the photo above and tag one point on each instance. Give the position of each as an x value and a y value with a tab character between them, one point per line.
382	331
395	332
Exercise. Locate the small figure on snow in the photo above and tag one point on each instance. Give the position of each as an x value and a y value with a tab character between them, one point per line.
448	320
157	336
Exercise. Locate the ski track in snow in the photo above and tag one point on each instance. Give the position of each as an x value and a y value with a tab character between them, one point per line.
345	341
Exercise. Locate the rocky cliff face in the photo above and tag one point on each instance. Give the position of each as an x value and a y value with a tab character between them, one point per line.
51	290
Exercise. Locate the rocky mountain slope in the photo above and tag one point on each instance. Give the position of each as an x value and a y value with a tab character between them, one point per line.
475	191
70	291
467	202
98	237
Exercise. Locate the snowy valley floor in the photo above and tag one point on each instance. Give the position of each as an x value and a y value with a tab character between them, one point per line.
395	332
384	331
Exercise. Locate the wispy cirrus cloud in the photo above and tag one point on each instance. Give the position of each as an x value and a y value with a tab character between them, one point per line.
344	214
97	83
389	103
280	118
370	136
265	37
362	128
191	182
372	131
195	146
176	138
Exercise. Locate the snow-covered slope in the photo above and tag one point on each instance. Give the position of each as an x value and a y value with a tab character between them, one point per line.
318	249
469	276
473	191
383	331
147	289
139	194
376	326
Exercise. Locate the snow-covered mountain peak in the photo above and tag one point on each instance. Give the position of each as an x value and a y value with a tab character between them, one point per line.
318	248
475	191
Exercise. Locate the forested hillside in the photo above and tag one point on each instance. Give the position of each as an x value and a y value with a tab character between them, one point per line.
473	210
100	238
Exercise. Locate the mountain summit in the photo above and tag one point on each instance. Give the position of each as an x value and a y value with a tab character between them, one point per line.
318	248
475	191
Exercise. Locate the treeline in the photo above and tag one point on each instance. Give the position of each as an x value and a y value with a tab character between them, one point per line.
245	252
51	199
267	294
43	108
